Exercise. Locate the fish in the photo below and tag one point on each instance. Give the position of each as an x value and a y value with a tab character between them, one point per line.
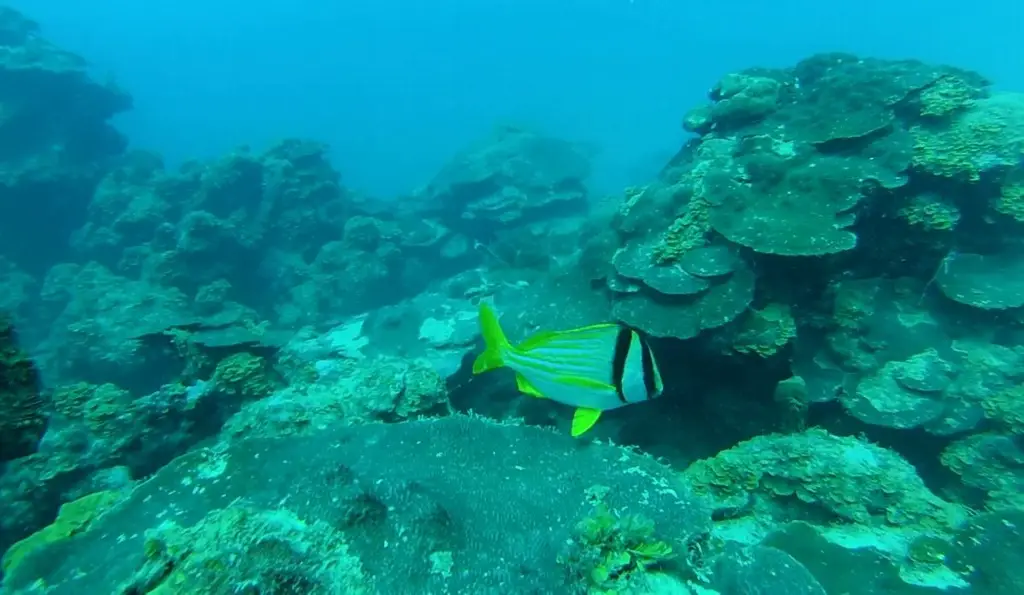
592	368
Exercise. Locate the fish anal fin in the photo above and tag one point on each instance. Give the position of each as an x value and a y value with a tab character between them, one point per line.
526	387
584	382
583	420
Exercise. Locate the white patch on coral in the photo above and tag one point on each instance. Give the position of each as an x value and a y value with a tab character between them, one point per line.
196	391
347	340
215	462
455	330
860	459
437	332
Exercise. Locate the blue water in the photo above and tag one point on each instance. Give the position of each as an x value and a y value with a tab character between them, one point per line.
397	86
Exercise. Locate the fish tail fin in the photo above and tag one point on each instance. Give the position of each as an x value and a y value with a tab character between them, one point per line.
496	344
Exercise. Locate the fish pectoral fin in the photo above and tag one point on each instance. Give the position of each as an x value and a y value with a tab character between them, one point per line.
527	388
584	382
583	420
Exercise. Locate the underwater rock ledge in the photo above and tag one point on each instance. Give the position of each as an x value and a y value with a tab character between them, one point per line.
495	502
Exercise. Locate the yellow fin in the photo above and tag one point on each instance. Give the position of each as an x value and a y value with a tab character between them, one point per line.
526	388
583	382
583	420
496	344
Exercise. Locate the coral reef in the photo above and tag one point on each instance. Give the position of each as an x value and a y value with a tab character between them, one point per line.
242	376
814	475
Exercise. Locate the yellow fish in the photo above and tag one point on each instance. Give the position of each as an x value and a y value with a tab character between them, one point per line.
593	368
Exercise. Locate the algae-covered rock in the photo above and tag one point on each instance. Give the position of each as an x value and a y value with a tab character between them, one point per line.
817	476
241	549
425	506
74	518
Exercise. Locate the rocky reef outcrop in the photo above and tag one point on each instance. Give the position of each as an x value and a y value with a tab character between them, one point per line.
56	142
375	512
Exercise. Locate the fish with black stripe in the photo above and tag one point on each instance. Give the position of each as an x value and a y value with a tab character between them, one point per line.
593	368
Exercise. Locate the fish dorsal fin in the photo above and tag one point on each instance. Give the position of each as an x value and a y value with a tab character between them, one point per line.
583	420
544	338
583	382
526	387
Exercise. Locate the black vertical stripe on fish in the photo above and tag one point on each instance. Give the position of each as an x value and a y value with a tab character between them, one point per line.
650	387
622	341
